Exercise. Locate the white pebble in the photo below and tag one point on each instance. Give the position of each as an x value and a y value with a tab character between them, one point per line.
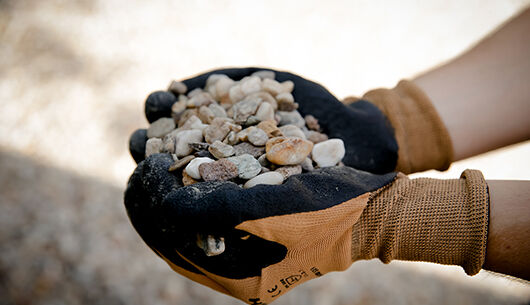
250	84
192	169
328	153
271	178
292	131
183	138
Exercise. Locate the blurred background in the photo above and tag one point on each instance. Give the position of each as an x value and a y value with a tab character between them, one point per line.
73	78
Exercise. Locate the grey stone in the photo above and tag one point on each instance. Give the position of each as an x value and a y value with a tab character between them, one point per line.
257	137
247	148
291	117
247	166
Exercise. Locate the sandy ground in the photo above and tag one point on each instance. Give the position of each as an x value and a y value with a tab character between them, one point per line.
73	78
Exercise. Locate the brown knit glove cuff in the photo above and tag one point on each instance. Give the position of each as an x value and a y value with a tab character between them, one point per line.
423	140
439	221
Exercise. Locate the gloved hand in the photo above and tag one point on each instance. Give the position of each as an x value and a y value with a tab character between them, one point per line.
315	222
279	236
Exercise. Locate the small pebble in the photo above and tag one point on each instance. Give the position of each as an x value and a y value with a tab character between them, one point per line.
285	97
307	165
271	178
270	127
211	245
153	146
192	169
168	144
250	85
287	151
187	180
217	130
328	153
186	115
312	122
220	170
265	112
221	150
247	166
184	138
291	117
231	138
272	86
263	161
288	171
193	122
178	88
181	163
177	109
206	114
315	136
292	131
247	148
242	110
218	111
257	137
263	74
160	128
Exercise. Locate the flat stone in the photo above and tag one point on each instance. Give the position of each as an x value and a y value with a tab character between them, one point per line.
270	178
257	137
192	169
187	179
177	88
291	117
263	74
247	148
265	112
287	151
328	153
263	97
292	131
220	170
312	122
217	130
153	146
245	108
160	128
247	166
270	127
307	165
184	138
221	150
289	170
315	136
181	163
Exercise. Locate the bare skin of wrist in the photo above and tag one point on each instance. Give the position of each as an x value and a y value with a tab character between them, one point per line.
483	96
508	246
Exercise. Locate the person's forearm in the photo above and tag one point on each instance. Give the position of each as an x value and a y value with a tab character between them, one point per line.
508	246
483	96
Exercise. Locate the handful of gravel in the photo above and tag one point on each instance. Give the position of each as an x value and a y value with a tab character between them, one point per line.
246	131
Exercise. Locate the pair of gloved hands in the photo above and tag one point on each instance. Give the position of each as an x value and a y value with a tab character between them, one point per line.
320	221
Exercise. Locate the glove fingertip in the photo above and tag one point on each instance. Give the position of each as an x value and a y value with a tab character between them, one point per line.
137	145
